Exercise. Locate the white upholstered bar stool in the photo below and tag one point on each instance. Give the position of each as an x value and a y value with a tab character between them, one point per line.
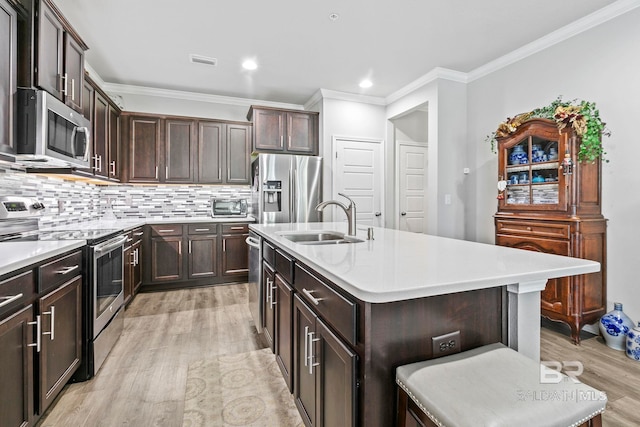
492	386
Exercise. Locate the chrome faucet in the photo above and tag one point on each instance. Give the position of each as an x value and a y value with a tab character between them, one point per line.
350	211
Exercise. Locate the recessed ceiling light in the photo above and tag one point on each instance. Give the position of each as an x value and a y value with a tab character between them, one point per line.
366	83
334	16
249	64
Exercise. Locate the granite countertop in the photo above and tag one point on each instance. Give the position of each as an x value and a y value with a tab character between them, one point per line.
16	255
399	265
128	224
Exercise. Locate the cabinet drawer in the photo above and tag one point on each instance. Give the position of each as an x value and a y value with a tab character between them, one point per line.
558	231
235	228
331	306
137	234
129	241
268	253
203	229
16	291
558	247
284	265
59	271
166	230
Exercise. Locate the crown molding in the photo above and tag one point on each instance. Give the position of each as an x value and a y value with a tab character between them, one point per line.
346	96
583	24
315	98
193	96
435	74
94	75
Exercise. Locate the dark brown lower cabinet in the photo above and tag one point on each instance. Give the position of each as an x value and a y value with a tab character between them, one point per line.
166	258
203	256
325	371
284	329
268	286
235	255
16	372
61	345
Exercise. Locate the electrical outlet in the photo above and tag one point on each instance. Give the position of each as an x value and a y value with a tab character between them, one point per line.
443	345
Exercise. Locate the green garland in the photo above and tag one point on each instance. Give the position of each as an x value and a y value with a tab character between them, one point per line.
582	116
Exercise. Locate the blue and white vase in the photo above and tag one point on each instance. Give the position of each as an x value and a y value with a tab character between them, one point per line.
633	343
518	156
614	327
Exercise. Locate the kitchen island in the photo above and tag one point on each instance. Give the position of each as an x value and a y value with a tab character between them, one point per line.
391	301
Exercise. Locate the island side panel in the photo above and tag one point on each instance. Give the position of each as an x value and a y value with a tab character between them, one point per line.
399	333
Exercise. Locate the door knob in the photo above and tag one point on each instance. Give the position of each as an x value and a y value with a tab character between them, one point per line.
378	214
403	213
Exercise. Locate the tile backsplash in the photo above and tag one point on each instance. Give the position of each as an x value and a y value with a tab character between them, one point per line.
70	201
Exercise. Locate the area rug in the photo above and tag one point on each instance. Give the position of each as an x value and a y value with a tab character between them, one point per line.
245	389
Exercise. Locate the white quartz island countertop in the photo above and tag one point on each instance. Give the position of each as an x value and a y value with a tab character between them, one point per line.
399	265
16	255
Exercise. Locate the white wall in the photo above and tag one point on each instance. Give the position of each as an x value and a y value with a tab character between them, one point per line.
346	119
601	65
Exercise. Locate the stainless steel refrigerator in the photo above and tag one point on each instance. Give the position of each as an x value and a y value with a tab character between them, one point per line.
285	188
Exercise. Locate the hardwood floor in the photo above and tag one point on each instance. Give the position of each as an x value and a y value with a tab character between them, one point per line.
605	369
142	382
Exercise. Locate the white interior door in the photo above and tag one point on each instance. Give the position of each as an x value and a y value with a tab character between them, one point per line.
412	191
358	173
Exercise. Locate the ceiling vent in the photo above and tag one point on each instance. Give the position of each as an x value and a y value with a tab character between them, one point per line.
199	59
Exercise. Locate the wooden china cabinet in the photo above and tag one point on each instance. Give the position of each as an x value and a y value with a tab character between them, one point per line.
542	209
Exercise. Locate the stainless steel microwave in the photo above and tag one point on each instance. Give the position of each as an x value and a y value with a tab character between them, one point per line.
49	133
228	207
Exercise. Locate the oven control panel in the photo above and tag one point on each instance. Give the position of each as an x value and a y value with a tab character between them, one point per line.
13	207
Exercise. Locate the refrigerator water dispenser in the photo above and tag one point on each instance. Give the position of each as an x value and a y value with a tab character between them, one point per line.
272	196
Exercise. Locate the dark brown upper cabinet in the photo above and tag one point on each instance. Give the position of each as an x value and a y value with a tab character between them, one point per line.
8	73
59	56
184	150
284	131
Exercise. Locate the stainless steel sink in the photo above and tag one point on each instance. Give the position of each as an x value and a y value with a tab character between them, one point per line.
319	237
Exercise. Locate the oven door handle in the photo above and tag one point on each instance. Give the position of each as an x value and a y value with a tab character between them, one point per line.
110	245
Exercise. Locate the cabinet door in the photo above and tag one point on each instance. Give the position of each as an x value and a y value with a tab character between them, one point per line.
304	376
268	130
128	260
74	72
210	160
49	52
302	134
166	258
145	150
61	324
269	303
8	74
179	151
203	256
235	255
114	143
136	274
16	376
336	382
101	135
238	147
87	102
284	329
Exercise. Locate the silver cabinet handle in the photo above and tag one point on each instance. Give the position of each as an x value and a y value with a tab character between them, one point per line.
201	229
313	299
306	346
37	344
52	329
166	172
189	246
224	245
269	293
137	257
141	233
113	168
133	258
100	163
67	270
180	247
237	228
63	89
311	355
170	230
272	287
9	300
73	89
156	172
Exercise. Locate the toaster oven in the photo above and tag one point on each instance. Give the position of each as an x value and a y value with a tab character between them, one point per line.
224	208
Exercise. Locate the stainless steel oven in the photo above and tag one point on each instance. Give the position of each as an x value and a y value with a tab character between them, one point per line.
108	296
